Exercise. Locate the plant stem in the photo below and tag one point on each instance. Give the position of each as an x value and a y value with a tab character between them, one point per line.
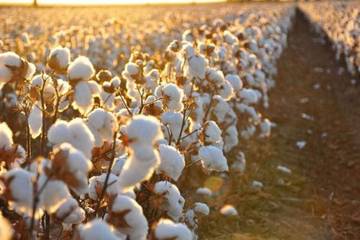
107	175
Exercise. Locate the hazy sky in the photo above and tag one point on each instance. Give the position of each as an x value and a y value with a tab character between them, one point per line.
105	1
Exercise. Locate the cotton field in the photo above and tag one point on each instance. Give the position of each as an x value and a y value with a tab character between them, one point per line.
147	122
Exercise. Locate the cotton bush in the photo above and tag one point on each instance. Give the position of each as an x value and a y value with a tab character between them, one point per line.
120	123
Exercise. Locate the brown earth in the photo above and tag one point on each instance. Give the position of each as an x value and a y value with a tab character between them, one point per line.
321	198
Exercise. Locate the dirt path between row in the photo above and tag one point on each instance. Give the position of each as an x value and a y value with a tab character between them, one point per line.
315	102
311	82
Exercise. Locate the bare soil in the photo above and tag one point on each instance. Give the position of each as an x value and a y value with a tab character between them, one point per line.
314	101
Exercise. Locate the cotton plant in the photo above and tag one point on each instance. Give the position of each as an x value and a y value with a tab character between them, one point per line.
113	132
338	23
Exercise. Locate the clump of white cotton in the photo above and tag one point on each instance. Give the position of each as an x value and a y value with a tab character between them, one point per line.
202	208
213	158
204	191
171	95
19	187
235	81
71	166
75	132
143	130
265	127
239	165
96	184
6	136
139	166
212	134
175	202
103	125
126	210
35	120
54	194
85	92
228	210
59	59
171	161
81	69
167	229
69	212
97	229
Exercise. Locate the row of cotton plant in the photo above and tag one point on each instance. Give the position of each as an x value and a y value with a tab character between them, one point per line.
108	40
99	155
340	23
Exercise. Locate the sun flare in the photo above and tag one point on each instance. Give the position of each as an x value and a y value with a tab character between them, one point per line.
105	2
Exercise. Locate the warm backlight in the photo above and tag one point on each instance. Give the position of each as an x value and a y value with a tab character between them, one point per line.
88	2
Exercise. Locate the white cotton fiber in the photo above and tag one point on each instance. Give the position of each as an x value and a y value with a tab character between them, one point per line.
81	69
171	161
213	158
167	229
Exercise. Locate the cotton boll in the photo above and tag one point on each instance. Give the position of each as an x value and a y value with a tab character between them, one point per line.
132	69
257	185
8	59
35	120
265	128
228	210
19	190
59	132
126	211
212	134
215	76
239	165
59	59
96	184
97	229
62	86
144	130
235	81
172	96
6	231
103	125
167	229
54	194
204	191
71	166
37	80
174	121
118	165
174	199
139	166
229	38
83	99
107	100
248	132
249	110
81	69
75	132
153	106
249	96
69	212
172	161
231	138
6	136
195	67
222	110
152	79
115	82
202	208
213	159
81	136
226	91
